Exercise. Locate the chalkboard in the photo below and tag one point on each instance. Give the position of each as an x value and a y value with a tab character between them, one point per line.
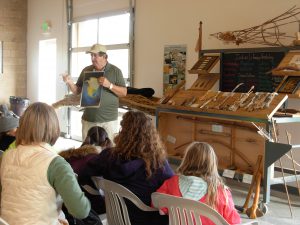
250	69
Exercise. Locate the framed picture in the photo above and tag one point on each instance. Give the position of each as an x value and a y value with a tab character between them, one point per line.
1	57
91	91
290	85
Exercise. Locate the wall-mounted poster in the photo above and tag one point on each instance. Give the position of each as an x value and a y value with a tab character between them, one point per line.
174	66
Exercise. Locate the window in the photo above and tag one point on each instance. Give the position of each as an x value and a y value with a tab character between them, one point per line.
112	31
84	33
47	67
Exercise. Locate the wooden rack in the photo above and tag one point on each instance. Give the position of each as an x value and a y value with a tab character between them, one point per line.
232	135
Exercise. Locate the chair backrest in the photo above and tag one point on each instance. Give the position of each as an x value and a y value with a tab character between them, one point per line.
3	222
116	209
186	211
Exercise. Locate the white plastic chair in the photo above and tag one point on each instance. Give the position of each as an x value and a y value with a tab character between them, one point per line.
116	209
3	222
94	191
186	211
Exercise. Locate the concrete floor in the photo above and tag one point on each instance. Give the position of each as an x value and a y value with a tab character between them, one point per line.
278	208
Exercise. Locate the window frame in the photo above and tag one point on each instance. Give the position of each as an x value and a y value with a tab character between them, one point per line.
129	45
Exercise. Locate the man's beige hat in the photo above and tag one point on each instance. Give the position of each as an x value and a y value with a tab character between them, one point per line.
96	48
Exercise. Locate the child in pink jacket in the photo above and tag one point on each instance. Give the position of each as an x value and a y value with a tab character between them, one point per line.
198	179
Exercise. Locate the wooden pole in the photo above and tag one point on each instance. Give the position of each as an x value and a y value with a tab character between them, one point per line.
256	171
198	47
282	172
254	207
286	189
288	135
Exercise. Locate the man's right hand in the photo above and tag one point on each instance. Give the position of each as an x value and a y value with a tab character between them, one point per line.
69	81
67	78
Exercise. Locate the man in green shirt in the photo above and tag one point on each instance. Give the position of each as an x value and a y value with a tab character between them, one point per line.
113	83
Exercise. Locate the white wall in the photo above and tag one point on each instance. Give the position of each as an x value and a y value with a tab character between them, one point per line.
87	8
55	11
159	23
167	22
38	12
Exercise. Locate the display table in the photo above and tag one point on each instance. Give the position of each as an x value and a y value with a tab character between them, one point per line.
231	133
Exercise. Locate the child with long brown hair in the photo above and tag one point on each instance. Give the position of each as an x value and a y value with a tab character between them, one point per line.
138	161
198	179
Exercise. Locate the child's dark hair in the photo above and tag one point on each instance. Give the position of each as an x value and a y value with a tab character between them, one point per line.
97	136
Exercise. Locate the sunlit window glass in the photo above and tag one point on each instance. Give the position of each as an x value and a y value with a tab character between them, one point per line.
119	58
84	33
47	68
76	126
79	61
114	29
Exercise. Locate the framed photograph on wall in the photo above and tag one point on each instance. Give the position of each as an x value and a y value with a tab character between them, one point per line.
1	57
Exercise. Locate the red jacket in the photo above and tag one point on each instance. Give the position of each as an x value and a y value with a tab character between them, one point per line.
226	209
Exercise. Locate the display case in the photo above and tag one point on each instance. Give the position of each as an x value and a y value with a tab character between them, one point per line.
221	119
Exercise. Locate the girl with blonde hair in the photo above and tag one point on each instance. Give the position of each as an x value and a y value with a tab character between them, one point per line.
198	179
34	178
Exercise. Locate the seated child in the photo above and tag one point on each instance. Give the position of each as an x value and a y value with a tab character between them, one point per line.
96	140
9	123
138	162
198	179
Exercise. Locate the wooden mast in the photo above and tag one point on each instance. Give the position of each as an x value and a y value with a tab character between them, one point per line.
198	47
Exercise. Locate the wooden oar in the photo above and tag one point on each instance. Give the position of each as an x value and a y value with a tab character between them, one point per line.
256	171
254	212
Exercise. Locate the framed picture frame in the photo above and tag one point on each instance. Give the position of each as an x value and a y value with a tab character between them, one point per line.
91	90
1	57
290	85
